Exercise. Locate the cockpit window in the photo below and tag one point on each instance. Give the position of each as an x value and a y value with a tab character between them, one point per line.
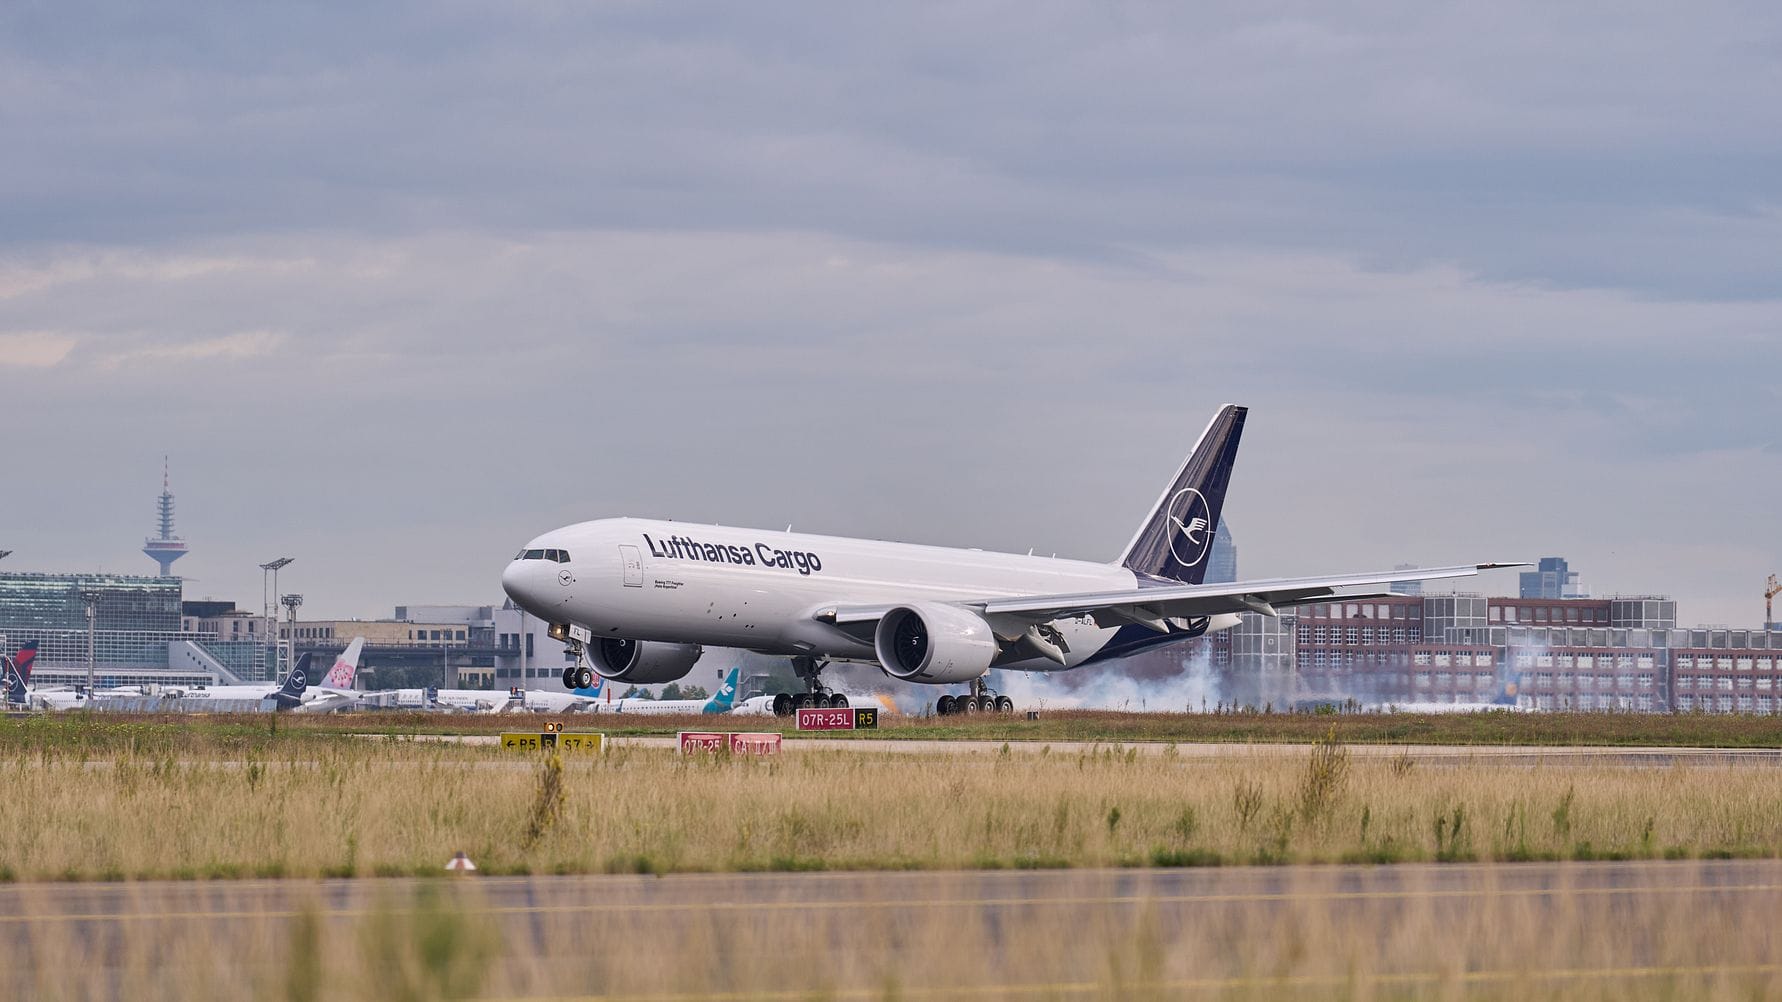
534	554
555	556
563	556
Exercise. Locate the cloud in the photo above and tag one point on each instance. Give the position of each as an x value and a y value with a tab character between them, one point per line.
1559	146
1499	280
35	349
245	345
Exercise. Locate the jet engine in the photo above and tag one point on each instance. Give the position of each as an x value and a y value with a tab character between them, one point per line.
933	643
642	662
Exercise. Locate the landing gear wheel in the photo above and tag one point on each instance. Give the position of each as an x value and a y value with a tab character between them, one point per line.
943	706
782	705
984	700
569	677
809	670
584	677
837	701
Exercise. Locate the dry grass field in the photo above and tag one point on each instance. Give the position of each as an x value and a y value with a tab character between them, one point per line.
385	806
208	802
75	733
1314	933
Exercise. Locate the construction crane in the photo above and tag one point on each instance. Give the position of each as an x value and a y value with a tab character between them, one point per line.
1769	595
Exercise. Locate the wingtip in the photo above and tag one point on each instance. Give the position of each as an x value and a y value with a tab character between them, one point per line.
1497	566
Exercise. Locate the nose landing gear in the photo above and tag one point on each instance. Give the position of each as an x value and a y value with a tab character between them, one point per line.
577	675
982	699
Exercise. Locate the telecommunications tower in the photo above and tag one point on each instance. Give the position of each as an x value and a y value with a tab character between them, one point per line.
165	548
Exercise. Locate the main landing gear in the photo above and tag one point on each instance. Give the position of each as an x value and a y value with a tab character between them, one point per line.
981	700
816	694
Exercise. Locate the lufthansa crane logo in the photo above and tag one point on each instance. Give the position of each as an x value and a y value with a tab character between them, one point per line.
299	680
565	578
1191	526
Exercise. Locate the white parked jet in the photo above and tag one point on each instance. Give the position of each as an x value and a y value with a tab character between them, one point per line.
642	598
182	699
719	702
336	691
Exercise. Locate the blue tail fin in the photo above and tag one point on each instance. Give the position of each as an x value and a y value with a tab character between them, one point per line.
291	693
1174	541
726	695
15	671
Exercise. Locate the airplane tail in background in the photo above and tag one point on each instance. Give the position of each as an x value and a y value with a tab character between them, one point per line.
1175	540
290	694
16	671
26	657
726	695
345	667
594	691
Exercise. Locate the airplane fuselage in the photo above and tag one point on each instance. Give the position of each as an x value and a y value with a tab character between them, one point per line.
762	590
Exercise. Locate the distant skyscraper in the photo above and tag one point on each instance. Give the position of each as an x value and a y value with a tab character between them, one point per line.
165	548
1222	562
1551	578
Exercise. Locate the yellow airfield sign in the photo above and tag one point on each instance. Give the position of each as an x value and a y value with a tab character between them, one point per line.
568	741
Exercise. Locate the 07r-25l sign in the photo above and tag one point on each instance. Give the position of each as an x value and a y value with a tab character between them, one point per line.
854	718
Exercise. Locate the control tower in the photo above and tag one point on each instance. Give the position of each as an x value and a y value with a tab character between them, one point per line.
165	548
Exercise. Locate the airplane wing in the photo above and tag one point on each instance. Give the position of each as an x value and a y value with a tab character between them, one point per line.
1152	606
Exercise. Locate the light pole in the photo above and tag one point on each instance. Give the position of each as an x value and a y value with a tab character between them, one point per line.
290	602
91	599
266	631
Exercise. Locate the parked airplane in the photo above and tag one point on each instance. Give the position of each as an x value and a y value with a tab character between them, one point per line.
588	700
641	598
15	673
336	691
781	705
718	702
501	700
200	699
456	700
288	696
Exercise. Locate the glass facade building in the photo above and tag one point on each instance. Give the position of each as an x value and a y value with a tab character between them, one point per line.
1222	563
135	620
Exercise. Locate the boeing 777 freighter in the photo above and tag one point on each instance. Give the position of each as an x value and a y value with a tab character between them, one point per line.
637	600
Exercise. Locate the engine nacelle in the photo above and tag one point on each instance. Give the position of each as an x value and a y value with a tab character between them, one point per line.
933	643
642	662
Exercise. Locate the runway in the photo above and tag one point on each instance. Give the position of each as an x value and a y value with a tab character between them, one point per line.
1614	928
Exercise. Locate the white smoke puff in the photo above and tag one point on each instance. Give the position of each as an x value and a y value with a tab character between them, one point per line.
1195	687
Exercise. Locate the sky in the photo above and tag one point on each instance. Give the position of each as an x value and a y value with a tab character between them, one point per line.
398	287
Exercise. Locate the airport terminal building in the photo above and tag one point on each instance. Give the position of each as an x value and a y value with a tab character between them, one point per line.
135	636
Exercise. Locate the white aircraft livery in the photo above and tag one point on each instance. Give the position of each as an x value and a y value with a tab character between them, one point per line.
637	600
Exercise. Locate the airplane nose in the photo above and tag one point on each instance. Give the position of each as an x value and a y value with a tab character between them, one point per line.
515	581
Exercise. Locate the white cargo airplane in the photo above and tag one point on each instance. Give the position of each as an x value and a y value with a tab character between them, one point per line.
641	598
